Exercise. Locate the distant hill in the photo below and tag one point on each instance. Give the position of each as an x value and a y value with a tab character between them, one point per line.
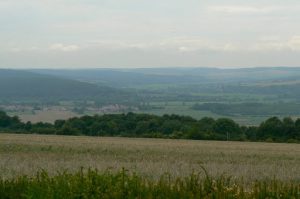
17	85
122	78
283	82
148	76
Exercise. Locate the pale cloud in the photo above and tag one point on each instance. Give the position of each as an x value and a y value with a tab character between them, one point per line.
15	50
20	49
197	44
267	44
294	43
173	44
64	48
180	44
236	9
276	44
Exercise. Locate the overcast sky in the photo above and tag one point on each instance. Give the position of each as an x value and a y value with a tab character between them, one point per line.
149	33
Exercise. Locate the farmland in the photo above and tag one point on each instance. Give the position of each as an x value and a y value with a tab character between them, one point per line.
273	91
27	154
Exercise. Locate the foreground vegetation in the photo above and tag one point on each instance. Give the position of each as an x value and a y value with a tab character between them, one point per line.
245	161
92	184
167	126
157	168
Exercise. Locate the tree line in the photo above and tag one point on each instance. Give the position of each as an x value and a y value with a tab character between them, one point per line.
166	126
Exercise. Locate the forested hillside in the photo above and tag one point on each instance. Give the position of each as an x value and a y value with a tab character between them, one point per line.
23	86
122	78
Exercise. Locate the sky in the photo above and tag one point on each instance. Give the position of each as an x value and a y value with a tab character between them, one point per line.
143	33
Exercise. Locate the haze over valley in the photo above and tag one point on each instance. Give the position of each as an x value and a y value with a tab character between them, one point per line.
246	95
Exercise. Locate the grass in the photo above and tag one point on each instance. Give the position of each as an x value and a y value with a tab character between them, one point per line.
247	162
92	184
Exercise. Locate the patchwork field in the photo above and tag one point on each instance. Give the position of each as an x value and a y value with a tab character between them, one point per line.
27	154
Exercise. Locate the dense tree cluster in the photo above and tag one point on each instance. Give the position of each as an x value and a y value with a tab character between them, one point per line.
167	126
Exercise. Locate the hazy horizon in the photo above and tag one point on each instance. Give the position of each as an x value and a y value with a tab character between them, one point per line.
153	67
145	34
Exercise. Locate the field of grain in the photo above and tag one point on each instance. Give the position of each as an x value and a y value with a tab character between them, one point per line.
27	154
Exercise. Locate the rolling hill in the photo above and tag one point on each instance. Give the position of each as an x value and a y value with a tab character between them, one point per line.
177	76
17	85
282	82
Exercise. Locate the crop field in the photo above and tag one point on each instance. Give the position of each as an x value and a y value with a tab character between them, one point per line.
39	166
26	154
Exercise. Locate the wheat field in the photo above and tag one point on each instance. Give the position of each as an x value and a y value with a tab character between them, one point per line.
27	154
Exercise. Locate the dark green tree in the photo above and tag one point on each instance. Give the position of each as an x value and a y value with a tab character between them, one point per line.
227	129
272	128
289	128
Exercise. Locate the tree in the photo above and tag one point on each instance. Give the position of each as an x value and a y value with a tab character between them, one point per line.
224	127
59	124
10	122
297	129
251	132
4	120
28	126
206	124
289	128
67	129
271	128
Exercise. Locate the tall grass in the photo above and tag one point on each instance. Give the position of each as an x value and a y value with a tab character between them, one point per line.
93	184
